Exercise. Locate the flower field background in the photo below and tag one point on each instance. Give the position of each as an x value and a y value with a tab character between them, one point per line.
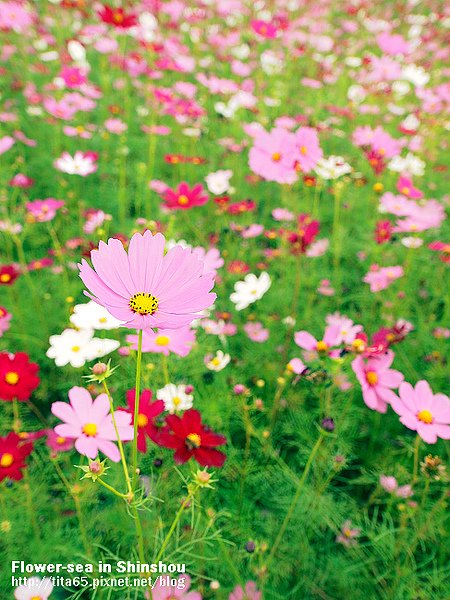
224	307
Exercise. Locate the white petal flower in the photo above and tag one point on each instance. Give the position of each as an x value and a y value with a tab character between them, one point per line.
175	397
76	347
93	316
251	289
218	362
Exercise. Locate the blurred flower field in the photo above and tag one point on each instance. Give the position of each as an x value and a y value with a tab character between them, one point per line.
224	299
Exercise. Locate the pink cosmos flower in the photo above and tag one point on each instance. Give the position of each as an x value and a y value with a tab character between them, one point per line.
15	16
273	155
211	259
308	342
264	29
388	483
347	331
116	126
297	366
396	205
392	44
90	424
377	380
249	592
6	142
44	210
379	278
309	151
185	197
177	592
5	318
423	411
256	332
348	534
179	341
57	443
22	181
73	77
146	288
405	186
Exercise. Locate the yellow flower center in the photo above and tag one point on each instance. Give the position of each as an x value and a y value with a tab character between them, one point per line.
103	320
303	150
176	401
425	416
6	460
194	440
183	200
90	429
215	361
36	598
276	157
322	346
144	304
5	277
11	378
60	440
142	420
162	340
371	378
76	348
405	191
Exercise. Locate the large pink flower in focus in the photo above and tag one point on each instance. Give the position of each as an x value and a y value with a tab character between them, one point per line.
423	411
377	380
273	155
90	424
146	288
179	341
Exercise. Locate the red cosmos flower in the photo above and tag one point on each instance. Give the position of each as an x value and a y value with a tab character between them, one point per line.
241	207
190	438
185	197
376	161
117	17
13	453
149	425
8	274
443	248
306	233
383	231
174	159
18	377
238	267
37	265
21	180
264	29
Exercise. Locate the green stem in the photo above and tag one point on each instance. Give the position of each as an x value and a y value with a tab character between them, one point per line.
294	501
119	441
172	527
111	489
136	408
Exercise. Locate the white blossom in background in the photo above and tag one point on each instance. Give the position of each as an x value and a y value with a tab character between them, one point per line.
249	290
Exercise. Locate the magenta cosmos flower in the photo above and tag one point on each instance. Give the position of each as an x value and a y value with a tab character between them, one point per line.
273	155
146	288
377	380
90	424
185	197
423	411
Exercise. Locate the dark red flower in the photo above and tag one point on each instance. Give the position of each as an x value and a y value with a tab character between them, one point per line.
241	207
18	377
304	236
443	248
376	161
190	438
149	423
383	231
13	453
117	17
8	274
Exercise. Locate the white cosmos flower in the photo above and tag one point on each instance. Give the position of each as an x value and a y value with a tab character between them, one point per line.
412	242
81	163
76	347
219	181
410	164
416	75
35	587
93	316
175	397
251	289
332	167
218	362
